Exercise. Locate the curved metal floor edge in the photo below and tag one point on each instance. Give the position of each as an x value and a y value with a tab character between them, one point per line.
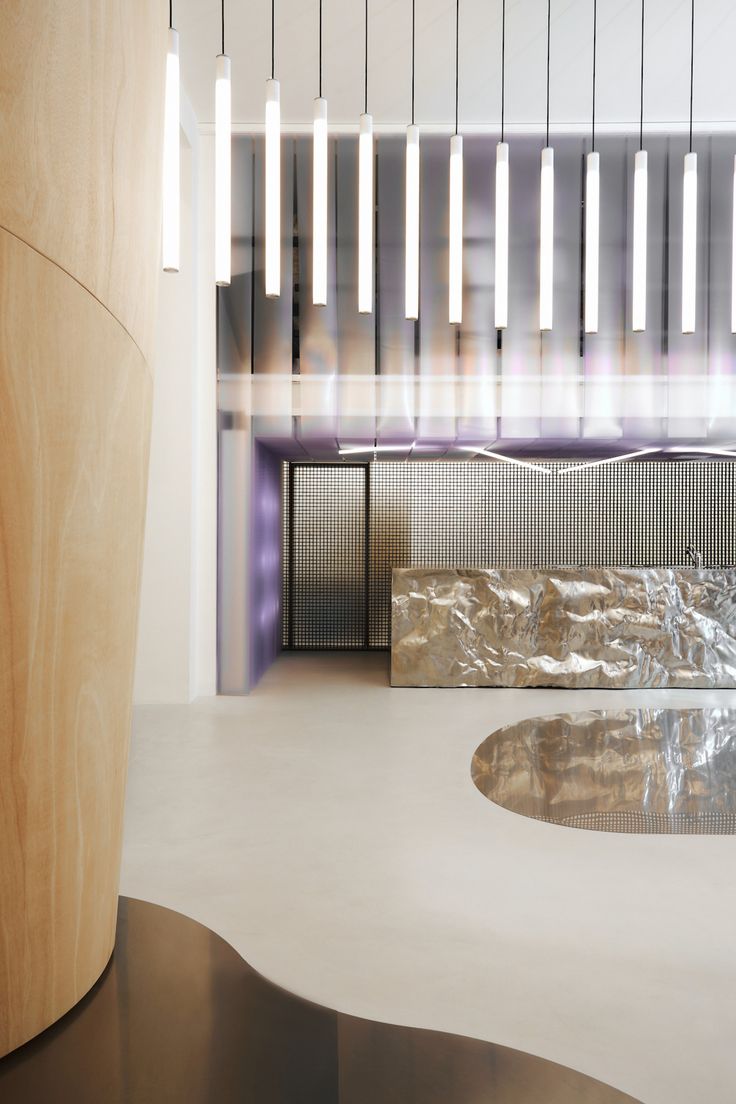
179	1017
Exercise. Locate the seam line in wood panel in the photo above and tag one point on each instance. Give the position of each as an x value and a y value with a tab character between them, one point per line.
79	283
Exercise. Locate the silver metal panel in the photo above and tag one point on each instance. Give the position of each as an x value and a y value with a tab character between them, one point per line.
572	627
638	770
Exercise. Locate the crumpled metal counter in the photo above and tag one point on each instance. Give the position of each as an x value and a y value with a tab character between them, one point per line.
573	627
638	770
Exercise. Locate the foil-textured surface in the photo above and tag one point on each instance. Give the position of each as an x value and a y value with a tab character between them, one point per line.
586	627
638	770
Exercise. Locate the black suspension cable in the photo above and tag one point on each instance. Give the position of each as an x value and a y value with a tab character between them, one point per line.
692	67
222	15
320	49
503	65
595	44
365	103
549	28
413	52
457	63
273	39
171	14
641	93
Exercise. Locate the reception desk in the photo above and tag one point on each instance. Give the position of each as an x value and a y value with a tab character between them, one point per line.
572	627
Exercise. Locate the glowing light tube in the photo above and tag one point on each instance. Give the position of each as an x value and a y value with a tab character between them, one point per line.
455	281
592	240
546	238
411	232
223	139
502	236
733	255
171	201
365	215
273	189
319	204
689	241
639	274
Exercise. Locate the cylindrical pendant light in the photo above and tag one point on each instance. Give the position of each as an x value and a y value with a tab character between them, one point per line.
273	175
170	191
223	140
690	210
592	212
411	229
547	214
319	190
365	197
733	254
641	203
501	305
455	281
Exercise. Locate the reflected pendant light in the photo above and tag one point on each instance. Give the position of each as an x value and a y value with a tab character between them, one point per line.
690	209
273	175
365	196
501	311
319	190
547	214
223	138
641	202
592	212
455	281
411	230
170	191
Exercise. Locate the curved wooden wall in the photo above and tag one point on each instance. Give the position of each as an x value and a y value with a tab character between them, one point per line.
81	102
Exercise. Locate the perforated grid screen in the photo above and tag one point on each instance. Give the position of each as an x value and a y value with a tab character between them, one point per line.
449	514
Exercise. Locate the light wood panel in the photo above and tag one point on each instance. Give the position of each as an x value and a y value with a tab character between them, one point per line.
81	99
74	423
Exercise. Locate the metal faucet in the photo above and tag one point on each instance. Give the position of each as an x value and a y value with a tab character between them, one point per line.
695	556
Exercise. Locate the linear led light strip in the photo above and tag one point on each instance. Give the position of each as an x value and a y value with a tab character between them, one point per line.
606	460
355	450
506	459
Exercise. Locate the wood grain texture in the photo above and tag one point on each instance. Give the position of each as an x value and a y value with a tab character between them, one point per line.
81	102
74	424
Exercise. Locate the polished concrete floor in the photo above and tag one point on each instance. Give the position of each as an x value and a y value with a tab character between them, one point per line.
327	826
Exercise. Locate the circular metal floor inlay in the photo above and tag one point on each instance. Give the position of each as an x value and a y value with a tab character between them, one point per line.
639	770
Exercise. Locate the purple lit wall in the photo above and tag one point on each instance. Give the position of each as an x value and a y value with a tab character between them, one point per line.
265	562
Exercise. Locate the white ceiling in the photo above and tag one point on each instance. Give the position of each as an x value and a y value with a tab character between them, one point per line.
667	58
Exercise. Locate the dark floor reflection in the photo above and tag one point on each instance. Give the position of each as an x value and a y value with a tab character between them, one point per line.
180	1018
639	770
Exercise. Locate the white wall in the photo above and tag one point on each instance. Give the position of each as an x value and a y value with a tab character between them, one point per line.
176	659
